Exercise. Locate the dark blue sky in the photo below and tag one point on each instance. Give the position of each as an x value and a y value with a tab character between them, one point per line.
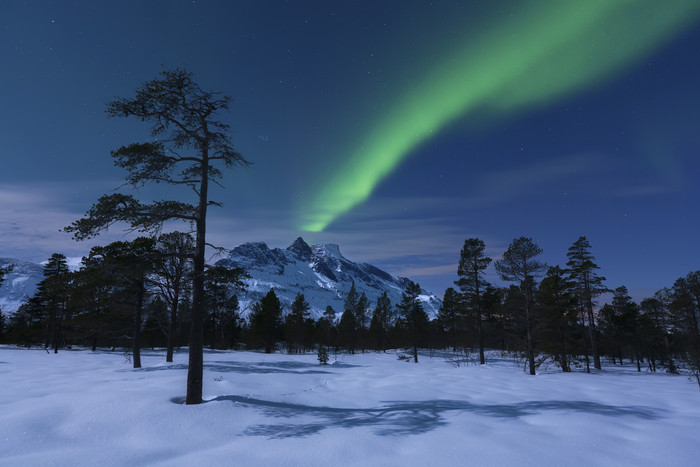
615	159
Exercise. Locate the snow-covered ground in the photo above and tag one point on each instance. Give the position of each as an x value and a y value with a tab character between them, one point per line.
84	408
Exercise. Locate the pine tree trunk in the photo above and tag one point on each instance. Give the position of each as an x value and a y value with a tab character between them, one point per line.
528	325
482	359
530	352
454	337
414	312
592	328
172	325
195	372
136	349
562	351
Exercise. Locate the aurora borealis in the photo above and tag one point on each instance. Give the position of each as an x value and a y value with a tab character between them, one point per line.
543	52
394	128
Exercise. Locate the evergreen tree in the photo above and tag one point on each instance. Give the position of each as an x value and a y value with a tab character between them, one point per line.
52	299
155	312
266	322
450	315
519	265
347	329
98	301
322	354
685	306
472	264
326	326
25	325
413	315
126	265
658	311
588	285
220	285
492	300
558	312
361	309
626	312
188	143
172	278
381	322
649	335
295	329
512	323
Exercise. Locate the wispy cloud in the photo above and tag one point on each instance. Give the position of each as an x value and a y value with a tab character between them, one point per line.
495	188
33	216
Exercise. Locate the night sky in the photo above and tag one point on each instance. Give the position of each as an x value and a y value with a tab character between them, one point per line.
396	129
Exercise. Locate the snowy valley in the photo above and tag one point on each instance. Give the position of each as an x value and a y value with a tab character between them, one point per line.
82	408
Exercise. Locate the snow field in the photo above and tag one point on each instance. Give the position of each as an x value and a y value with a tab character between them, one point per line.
84	408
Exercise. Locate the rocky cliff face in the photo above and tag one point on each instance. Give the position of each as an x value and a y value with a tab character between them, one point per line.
320	272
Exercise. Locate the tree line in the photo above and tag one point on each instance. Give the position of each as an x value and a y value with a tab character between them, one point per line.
126	294
138	294
550	313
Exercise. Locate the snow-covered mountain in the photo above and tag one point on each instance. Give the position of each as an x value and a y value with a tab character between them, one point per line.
20	284
320	272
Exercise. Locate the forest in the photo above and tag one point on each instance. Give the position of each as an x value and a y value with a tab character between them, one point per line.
138	294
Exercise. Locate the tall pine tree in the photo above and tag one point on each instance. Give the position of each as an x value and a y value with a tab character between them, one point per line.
188	142
558	309
413	315
472	264
172	278
588	285
450	316
381	321
295	328
519	264
266	322
52	299
347	329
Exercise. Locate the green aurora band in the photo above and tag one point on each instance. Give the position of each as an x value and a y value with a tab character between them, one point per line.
548	51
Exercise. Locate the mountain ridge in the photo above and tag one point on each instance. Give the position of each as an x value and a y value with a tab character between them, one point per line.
320	272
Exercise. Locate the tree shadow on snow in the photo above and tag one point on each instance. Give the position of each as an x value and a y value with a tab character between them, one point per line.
247	368
409	417
265	367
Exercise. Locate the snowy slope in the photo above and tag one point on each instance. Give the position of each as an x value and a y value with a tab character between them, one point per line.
20	284
81	408
320	272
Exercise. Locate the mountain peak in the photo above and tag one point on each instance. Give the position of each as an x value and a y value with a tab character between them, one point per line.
300	249
328	249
